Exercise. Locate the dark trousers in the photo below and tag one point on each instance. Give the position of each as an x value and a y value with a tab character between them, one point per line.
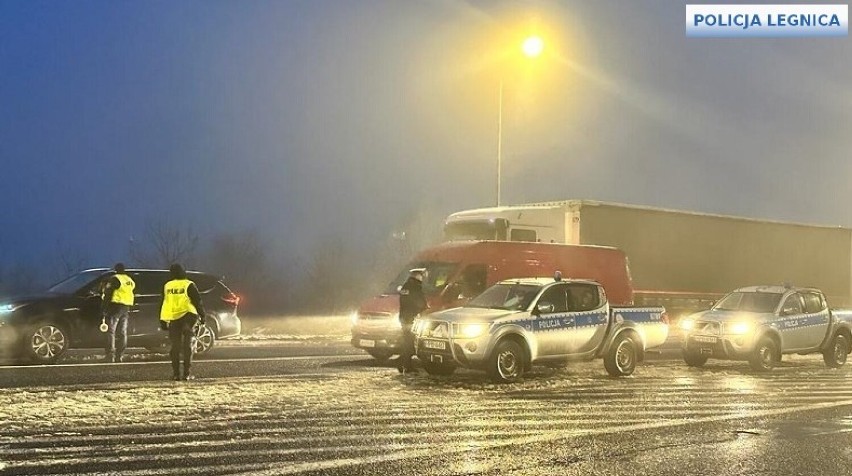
406	347
116	319
181	334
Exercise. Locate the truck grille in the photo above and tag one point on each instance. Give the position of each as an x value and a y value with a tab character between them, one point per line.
707	328
436	329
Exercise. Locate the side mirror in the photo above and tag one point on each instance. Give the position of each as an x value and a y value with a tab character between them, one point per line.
453	292
787	311
544	308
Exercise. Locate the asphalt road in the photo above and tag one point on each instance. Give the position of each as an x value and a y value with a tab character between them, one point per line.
319	408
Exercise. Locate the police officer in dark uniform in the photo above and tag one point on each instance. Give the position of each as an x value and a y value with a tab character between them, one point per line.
182	310
412	302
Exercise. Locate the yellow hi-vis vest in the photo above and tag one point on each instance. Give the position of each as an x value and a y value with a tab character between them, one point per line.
124	293
176	301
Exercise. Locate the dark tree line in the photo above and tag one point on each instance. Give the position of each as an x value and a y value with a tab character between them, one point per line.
333	277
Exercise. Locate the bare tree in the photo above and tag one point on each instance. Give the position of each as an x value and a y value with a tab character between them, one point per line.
245	261
69	260
162	244
418	231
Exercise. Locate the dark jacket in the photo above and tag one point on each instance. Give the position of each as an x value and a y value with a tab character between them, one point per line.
412	301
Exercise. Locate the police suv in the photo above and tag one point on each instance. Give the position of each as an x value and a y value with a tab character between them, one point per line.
759	323
518	322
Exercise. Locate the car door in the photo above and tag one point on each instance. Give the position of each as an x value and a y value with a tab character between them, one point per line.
553	325
816	319
791	322
145	314
588	306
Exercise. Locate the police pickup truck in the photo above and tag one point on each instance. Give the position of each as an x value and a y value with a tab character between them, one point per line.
759	323
518	322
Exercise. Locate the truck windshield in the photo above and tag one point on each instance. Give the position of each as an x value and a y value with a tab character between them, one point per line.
74	283
511	297
476	230
438	275
749	302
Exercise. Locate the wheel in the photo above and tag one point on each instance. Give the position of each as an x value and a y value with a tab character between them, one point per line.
382	355
835	354
765	355
693	359
203	339
621	359
507	362
434	368
46	342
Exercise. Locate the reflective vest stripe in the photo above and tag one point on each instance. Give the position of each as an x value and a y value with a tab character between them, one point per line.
176	301
124	293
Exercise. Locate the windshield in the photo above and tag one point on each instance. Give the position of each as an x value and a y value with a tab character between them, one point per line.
438	275
511	297
476	230
749	302
75	283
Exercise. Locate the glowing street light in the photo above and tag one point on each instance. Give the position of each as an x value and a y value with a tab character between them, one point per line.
532	47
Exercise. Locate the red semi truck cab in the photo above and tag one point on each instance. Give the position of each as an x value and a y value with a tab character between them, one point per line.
460	270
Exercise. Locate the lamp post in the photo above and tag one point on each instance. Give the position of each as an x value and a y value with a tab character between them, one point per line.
532	48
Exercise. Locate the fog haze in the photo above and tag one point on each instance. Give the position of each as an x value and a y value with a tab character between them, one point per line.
312	121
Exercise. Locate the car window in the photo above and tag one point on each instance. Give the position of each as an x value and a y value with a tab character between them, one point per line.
148	283
793	305
519	234
813	302
557	296
204	282
583	297
473	280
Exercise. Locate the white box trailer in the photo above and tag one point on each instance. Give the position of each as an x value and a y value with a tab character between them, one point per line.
680	259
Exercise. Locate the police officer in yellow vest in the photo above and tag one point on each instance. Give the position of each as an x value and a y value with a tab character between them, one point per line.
182	310
117	300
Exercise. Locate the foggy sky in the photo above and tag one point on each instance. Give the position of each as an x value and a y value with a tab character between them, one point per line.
305	120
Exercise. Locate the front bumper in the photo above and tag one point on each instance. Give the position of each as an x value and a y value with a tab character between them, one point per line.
730	347
471	353
390	339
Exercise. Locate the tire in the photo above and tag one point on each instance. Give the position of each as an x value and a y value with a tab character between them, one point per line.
765	355
203	340
693	359
835	355
46	342
437	369
622	357
507	362
382	355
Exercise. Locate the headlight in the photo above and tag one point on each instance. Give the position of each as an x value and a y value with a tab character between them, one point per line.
354	317
739	328
469	331
687	324
7	308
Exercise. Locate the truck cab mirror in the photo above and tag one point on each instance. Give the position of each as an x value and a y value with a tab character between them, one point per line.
453	292
544	308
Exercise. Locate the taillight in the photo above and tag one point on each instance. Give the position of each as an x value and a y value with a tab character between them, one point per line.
231	298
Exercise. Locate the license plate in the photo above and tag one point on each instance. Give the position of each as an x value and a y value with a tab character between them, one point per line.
435	344
705	339
367	343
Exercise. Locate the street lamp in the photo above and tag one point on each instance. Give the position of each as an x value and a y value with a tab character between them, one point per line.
532	47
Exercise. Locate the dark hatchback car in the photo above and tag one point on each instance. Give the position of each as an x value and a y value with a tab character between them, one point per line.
43	327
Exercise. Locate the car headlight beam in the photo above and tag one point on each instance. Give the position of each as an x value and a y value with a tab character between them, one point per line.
687	324
470	330
739	328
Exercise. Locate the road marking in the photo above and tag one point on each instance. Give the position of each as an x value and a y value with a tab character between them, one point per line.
295	468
